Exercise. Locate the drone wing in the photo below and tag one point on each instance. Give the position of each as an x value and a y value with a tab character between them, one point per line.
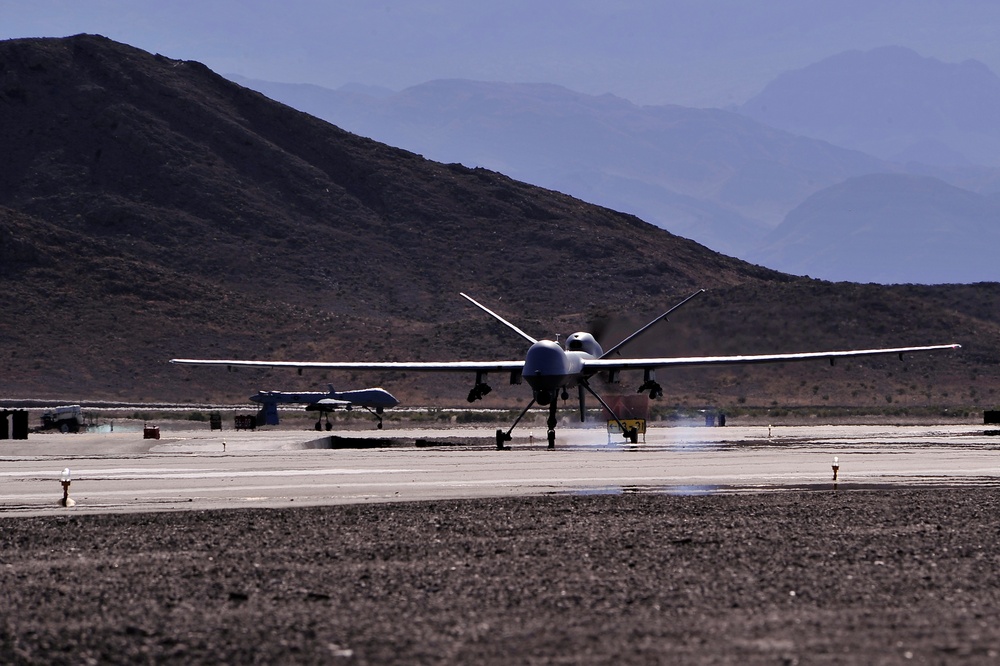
832	356
403	366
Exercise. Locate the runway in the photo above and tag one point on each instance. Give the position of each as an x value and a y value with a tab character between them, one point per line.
189	470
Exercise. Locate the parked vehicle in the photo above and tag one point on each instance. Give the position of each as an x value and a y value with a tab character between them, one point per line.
67	418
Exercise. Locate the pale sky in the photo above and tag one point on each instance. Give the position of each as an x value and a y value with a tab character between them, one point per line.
691	52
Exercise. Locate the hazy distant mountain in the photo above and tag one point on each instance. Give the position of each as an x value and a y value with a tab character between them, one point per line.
362	89
892	103
706	174
717	177
890	229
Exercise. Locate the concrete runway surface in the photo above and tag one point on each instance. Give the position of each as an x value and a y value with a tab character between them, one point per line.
188	469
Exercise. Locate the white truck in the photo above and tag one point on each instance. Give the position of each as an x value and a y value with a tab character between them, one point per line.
67	418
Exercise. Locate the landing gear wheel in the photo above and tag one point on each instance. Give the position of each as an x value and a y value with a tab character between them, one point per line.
551	423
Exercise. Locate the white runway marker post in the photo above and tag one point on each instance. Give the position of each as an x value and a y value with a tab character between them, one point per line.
66	479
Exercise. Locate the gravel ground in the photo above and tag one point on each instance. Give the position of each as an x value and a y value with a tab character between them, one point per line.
879	576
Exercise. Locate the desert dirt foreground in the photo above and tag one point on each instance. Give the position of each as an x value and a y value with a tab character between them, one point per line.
822	576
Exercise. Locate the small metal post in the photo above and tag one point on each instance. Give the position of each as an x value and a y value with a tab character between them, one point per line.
66	479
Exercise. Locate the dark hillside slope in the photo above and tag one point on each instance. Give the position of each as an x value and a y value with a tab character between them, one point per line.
116	142
152	209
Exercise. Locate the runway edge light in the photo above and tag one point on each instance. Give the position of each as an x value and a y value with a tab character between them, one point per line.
66	478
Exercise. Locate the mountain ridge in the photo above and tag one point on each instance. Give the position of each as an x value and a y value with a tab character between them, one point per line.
889	102
152	209
711	175
719	177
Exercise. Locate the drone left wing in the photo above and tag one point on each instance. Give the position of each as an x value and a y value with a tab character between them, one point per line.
832	356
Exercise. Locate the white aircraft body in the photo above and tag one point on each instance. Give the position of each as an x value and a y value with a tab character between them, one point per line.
551	370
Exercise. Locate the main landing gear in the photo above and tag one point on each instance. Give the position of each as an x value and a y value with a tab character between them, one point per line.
631	434
504	437
542	397
377	413
324	414
320	424
548	398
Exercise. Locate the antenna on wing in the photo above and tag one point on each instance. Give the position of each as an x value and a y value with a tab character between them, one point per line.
499	318
643	329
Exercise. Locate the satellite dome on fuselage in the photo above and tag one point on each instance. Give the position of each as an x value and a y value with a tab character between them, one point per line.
584	342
